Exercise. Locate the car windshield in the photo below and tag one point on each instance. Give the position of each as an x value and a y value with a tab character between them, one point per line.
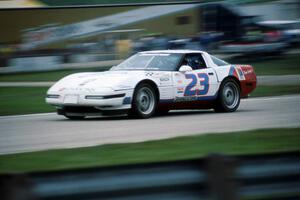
150	62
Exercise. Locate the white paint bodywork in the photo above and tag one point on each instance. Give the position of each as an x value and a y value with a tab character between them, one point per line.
73	89
106	83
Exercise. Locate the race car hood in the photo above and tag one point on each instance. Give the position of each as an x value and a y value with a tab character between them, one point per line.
115	80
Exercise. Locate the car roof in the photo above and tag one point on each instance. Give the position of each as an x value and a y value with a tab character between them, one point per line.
174	51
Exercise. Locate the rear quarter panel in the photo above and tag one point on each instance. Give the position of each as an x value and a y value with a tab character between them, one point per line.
243	73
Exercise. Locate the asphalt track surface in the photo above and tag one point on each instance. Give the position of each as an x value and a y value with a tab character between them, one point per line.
50	131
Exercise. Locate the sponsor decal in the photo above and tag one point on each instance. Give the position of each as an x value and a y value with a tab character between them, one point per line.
149	74
189	99
246	72
183	99
195	98
164	79
180	90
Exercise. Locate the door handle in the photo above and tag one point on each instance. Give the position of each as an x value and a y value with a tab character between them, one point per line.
210	73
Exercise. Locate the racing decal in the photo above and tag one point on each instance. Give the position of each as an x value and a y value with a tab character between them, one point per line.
235	70
165	78
188	99
166	92
149	74
204	81
155	74
232	72
240	73
195	98
188	90
202	78
247	71
180	90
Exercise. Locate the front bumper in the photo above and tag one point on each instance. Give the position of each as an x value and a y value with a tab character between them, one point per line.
101	101
88	111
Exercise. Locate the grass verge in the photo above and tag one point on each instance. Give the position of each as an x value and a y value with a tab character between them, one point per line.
27	100
261	91
45	76
23	100
237	143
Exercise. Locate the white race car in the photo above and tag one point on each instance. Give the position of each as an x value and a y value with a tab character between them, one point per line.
154	82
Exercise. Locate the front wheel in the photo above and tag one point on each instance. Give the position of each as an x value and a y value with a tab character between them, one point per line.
144	101
228	97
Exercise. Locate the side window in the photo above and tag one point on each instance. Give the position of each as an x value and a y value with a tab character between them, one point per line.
195	61
218	61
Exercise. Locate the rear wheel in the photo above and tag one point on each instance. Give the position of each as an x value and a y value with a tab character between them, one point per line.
228	97
144	101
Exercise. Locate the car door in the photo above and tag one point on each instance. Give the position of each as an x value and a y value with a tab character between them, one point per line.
198	84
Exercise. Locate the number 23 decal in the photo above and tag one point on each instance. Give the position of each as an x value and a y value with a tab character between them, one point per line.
204	81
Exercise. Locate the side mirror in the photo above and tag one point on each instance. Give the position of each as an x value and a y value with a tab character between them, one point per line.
185	68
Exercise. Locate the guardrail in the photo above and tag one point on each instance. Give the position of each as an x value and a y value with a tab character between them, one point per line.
272	176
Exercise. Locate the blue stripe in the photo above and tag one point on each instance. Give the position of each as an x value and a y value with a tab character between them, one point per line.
231	71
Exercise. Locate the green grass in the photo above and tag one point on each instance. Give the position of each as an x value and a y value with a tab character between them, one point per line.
27	100
44	76
247	142
23	100
280	66
275	90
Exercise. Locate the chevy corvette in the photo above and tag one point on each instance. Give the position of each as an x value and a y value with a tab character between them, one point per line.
154	82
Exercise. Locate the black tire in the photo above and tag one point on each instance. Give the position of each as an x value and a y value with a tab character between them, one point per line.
229	96
144	101
74	117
